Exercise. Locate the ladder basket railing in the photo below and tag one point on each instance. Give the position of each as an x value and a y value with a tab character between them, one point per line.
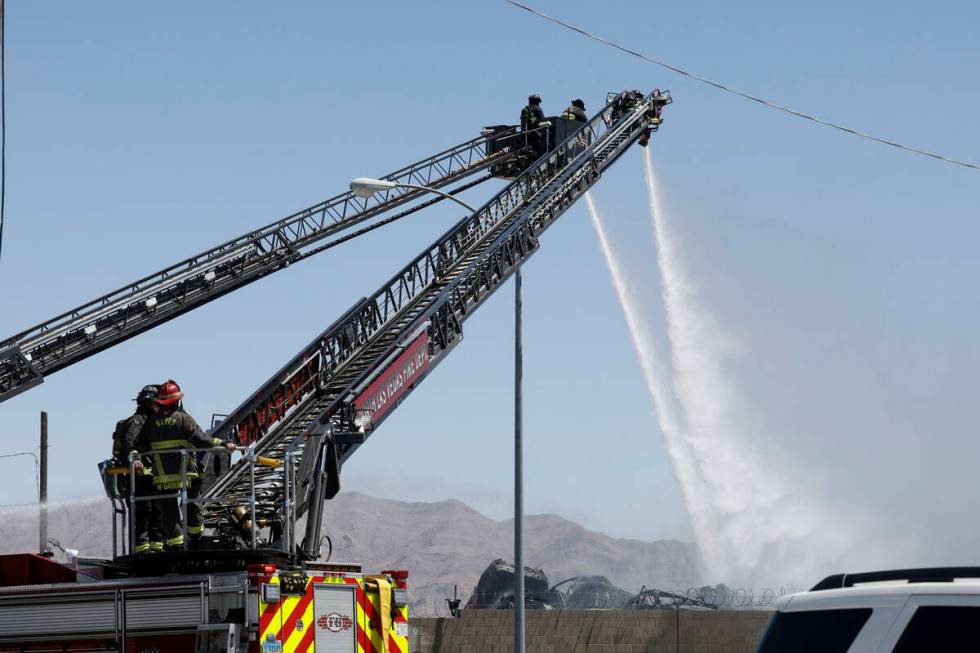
120	485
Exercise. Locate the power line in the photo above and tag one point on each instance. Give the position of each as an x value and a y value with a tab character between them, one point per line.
747	96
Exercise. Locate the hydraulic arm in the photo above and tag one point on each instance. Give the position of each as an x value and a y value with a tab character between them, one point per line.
27	357
318	409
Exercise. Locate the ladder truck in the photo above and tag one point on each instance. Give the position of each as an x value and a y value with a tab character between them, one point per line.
260	582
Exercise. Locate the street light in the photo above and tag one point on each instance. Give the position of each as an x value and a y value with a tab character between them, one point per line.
366	187
518	466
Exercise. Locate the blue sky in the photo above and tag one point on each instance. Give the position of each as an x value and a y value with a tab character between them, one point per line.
139	134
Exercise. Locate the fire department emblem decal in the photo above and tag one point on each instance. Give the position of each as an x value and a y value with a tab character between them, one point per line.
334	622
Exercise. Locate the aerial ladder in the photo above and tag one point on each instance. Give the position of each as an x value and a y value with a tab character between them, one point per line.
314	413
259	585
27	357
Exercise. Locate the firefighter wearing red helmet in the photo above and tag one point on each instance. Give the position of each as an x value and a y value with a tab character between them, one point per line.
126	433
167	432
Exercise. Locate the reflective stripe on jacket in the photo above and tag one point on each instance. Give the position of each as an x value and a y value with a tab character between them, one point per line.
575	113
163	436
531	115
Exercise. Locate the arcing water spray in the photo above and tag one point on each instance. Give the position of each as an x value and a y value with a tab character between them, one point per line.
656	375
762	524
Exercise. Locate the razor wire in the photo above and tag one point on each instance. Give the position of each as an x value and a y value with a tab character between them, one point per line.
691	598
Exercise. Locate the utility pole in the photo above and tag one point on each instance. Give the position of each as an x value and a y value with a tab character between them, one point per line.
518	471
43	485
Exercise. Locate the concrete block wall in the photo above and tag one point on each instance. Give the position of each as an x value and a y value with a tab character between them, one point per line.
593	631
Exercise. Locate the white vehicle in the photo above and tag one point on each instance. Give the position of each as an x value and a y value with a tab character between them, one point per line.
899	611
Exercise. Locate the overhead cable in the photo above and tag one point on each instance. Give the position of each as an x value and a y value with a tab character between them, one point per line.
747	96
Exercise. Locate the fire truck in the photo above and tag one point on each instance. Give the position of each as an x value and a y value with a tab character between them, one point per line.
258	580
305	608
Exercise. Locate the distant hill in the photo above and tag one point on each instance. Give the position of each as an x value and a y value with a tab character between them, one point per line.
441	544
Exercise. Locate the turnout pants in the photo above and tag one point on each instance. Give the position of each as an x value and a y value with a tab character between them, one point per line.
536	141
195	524
169	520
148	534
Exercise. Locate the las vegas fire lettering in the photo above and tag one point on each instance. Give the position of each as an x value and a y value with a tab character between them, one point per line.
380	394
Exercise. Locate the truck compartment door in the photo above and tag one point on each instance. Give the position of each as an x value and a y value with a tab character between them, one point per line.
335	618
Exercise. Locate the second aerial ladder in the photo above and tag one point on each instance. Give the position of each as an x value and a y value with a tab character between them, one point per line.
318	409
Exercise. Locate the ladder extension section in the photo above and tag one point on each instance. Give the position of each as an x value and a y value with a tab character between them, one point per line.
320	407
27	357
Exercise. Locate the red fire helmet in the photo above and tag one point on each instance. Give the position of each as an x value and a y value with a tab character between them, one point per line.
169	393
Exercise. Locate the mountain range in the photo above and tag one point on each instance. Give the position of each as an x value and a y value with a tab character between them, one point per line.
442	544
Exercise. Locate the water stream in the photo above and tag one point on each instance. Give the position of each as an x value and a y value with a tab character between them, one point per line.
656	375
753	521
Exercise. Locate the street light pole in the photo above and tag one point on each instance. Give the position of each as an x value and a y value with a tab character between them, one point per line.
518	469
366	187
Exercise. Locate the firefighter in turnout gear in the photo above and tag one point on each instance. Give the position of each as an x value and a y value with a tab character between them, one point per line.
195	513
531	117
165	433
576	112
148	539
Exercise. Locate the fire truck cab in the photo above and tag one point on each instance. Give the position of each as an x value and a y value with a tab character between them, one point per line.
317	607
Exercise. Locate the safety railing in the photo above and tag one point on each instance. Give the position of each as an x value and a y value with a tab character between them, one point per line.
126	498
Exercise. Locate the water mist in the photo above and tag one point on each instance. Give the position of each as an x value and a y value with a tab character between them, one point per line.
753	520
656	375
762	525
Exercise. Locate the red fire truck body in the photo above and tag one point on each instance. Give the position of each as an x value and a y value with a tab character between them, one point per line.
47	606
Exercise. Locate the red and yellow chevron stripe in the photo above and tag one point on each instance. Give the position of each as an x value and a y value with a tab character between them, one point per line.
291	620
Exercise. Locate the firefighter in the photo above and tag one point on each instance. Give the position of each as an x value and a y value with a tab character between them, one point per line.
576	111
148	540
531	117
164	434
195	512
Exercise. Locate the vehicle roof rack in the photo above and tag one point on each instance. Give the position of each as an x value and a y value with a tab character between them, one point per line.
924	575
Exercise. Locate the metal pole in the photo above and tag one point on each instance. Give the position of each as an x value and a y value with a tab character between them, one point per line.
131	513
437	192
251	498
287	512
43	487
518	472
115	530
292	516
183	497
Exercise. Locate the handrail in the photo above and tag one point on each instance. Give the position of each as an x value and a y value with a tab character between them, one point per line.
130	502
